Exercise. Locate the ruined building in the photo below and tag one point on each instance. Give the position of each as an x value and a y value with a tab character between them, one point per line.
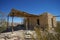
44	21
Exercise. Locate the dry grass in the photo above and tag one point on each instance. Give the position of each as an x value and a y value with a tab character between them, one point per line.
47	36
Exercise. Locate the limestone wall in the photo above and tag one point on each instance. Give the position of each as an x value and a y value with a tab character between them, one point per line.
51	21
46	20
43	20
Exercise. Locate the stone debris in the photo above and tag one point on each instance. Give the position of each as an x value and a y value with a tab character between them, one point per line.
17	35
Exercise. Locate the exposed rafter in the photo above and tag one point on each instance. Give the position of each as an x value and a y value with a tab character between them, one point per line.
17	13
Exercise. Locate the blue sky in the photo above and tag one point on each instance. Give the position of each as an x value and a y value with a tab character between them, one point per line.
31	6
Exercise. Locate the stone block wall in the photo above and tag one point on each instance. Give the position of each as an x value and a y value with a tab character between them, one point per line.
45	20
51	21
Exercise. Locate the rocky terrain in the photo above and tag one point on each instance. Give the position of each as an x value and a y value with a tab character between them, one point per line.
16	35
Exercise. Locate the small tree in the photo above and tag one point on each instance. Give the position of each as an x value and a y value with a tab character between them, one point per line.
57	29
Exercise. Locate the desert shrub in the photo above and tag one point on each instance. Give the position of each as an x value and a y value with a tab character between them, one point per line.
57	29
3	26
47	36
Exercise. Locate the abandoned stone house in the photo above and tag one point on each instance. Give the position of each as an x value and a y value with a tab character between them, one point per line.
44	20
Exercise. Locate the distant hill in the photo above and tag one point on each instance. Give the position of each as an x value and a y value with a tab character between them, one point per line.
16	28
14	24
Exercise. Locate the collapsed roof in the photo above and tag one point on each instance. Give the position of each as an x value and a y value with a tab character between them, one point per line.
17	13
